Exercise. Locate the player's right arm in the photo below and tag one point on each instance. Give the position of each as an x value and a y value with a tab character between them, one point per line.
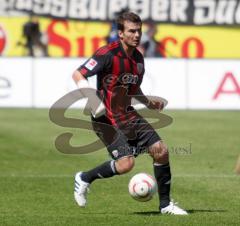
96	106
92	66
80	80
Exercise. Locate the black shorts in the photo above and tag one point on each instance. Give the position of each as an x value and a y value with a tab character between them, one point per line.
130	140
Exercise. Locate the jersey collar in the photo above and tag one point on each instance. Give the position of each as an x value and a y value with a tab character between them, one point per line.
122	52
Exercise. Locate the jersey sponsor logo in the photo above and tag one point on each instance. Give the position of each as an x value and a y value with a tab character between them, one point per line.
91	64
123	79
129	79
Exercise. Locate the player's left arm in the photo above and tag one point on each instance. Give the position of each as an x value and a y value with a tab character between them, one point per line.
157	104
151	103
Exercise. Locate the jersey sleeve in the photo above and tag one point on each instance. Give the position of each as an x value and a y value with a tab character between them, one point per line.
141	70
94	65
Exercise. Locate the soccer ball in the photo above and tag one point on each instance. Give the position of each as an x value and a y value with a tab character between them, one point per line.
142	187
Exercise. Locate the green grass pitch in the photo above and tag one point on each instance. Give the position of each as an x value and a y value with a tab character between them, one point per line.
36	180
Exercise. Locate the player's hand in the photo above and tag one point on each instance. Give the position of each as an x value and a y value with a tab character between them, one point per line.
156	104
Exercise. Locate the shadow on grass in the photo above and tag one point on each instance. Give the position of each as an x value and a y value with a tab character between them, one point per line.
205	211
147	213
191	211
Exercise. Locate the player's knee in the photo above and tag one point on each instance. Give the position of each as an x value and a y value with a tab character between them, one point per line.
159	153
125	165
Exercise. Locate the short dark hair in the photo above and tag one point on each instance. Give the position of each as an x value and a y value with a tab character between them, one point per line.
127	16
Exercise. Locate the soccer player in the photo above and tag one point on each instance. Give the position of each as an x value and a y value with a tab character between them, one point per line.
119	68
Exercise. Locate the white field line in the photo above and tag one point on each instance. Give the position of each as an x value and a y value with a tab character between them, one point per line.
72	175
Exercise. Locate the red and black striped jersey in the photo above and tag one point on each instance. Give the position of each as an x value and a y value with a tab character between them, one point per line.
118	78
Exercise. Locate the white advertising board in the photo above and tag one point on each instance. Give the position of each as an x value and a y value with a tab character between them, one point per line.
185	84
213	84
53	80
166	79
15	82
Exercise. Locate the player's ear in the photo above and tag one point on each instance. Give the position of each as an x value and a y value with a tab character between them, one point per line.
120	34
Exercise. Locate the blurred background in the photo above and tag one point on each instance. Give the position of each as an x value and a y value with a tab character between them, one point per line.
191	47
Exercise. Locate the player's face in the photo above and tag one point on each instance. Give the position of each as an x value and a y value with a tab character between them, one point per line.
131	35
